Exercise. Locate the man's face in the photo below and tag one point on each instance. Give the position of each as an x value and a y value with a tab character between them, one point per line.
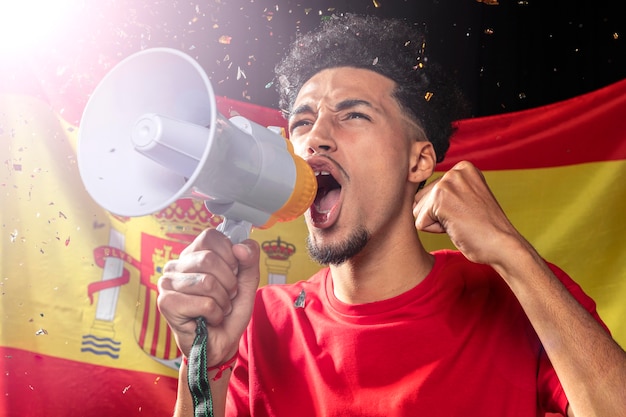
352	132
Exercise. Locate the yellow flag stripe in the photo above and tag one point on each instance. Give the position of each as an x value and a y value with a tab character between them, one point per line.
576	218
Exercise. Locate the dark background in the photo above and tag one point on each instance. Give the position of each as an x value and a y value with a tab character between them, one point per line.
506	57
510	56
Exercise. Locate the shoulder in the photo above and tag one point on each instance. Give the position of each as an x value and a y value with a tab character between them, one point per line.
453	263
453	266
468	284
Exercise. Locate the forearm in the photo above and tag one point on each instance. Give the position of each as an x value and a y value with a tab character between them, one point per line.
184	402
589	363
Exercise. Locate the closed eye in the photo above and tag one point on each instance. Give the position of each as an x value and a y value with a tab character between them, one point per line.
357	115
299	123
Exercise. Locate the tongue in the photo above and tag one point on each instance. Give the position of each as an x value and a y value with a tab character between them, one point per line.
327	201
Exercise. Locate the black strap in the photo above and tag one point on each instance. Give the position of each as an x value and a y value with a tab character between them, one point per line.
197	374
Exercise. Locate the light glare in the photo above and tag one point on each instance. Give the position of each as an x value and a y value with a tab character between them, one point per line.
29	23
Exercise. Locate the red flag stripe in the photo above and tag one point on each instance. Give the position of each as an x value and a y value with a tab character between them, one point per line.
587	128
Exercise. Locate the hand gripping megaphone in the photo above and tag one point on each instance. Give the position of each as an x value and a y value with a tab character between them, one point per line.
150	134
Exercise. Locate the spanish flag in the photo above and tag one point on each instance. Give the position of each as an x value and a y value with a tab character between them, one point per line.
81	334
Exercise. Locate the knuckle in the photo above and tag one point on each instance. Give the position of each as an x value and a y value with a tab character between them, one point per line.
163	284
170	266
464	165
208	282
207	260
213	312
164	302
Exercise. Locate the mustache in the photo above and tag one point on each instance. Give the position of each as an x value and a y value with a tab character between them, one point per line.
337	165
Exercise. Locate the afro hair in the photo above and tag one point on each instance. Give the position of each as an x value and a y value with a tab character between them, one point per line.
391	47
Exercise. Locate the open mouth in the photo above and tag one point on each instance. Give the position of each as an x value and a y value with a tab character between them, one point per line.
328	191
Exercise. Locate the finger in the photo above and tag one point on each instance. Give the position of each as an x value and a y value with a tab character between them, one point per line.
425	222
219	262
424	209
198	284
181	311
214	240
424	191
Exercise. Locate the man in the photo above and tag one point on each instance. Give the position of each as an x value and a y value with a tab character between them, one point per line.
388	328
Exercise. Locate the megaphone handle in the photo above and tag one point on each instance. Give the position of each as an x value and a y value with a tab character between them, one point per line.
236	230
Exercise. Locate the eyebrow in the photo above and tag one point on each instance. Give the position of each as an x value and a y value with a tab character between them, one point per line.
342	105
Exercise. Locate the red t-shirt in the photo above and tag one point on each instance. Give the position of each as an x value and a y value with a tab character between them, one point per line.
457	344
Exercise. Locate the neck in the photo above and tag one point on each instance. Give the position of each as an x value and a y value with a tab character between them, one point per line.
384	269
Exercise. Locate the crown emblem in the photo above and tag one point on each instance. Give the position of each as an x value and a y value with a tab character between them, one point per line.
278	249
185	218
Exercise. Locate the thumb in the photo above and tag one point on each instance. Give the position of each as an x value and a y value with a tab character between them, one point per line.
248	254
248	277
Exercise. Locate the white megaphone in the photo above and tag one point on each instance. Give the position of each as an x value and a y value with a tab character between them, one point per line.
150	135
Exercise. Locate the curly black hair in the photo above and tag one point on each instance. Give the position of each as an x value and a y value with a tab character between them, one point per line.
391	47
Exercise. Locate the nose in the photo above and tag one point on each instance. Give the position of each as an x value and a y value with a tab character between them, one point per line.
320	139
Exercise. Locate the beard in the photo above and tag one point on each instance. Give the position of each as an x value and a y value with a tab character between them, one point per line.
338	253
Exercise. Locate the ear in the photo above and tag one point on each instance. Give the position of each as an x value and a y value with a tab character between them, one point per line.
422	161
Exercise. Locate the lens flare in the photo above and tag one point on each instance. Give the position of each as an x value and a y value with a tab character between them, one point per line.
25	24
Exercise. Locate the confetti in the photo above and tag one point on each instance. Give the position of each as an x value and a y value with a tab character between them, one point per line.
97	225
41	332
240	73
225	40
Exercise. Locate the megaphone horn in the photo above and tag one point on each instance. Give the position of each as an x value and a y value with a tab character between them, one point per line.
150	135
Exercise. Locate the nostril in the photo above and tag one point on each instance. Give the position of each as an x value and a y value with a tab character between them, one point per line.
315	149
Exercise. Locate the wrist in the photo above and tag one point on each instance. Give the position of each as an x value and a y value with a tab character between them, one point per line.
522	264
226	366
